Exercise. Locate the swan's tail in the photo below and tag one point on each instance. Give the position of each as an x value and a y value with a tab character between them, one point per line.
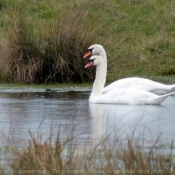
159	99
163	89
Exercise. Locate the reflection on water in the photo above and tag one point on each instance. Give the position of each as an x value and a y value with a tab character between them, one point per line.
69	113
139	122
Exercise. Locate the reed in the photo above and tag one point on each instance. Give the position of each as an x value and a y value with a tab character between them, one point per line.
55	54
57	57
121	157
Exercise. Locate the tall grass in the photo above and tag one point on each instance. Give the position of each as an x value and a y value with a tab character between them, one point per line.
55	54
121	157
137	35
56	57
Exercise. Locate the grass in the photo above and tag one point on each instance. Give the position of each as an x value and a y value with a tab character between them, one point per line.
56	157
53	55
44	41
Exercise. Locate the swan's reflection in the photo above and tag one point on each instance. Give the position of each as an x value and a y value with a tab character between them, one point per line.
136	121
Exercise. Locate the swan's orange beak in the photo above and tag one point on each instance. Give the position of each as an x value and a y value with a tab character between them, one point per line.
88	53
89	64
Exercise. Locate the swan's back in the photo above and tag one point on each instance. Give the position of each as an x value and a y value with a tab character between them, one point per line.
130	96
140	83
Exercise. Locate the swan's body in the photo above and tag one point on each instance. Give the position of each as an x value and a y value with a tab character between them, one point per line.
140	83
134	82
118	96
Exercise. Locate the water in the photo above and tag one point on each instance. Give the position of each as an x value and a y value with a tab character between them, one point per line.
67	113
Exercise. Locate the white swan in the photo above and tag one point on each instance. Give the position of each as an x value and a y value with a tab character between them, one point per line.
119	96
135	82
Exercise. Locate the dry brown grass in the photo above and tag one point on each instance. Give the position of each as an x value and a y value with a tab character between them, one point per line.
121	157
56	56
38	156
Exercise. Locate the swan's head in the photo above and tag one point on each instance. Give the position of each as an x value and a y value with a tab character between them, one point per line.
94	60
95	49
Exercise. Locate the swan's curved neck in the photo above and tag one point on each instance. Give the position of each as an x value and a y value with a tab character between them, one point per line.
103	55
100	79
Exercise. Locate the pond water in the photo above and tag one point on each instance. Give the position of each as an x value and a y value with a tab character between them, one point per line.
67	113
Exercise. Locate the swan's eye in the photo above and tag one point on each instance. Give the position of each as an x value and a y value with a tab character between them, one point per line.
89	50
91	60
88	53
90	63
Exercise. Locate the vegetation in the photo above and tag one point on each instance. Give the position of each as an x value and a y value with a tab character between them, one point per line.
47	157
44	41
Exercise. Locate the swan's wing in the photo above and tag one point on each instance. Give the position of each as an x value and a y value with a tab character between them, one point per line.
130	96
122	83
140	83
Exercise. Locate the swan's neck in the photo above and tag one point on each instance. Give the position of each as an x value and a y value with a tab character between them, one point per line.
103	55
100	79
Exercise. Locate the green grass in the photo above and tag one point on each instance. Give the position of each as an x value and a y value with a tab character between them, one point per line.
138	37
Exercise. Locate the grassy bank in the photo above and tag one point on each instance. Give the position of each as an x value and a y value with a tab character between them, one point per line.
44	41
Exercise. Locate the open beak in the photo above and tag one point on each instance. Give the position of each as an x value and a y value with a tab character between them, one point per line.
88	53
89	64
